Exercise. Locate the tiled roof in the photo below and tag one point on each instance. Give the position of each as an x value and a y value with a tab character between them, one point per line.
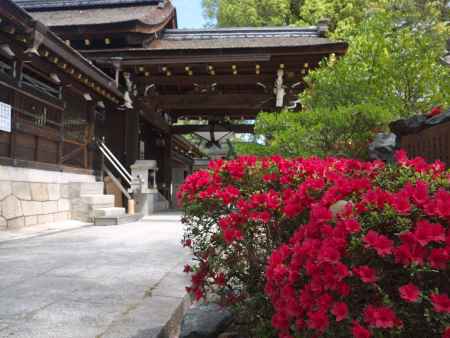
148	15
240	38
31	5
230	33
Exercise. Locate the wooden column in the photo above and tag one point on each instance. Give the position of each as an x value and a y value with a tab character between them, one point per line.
17	74
168	166
61	129
132	136
90	135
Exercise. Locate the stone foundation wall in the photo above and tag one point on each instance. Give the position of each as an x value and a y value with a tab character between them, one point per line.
29	196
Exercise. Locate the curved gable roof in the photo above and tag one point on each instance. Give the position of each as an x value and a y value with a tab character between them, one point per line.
37	5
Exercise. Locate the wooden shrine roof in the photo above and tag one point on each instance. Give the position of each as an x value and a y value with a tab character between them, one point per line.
49	46
226	38
127	15
147	15
35	5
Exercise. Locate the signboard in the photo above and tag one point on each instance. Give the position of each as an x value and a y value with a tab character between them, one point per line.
5	117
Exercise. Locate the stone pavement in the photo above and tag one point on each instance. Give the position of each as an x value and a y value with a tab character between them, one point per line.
100	282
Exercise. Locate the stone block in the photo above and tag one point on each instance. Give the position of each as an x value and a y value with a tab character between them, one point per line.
63	205
50	207
31	220
22	190
39	192
54	193
64	190
31	208
5	189
3	223
11	207
60	217
16	223
42	219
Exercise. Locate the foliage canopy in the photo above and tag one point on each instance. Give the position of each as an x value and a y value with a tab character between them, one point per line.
392	69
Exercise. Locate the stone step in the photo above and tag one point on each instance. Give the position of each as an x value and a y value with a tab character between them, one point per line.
109	212
81	188
162	206
96	199
109	220
95	188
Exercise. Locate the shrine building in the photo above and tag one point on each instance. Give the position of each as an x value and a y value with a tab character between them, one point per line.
96	95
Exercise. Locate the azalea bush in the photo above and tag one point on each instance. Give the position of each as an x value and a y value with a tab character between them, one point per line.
322	247
378	268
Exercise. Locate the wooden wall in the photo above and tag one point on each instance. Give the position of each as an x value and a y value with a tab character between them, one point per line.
432	143
40	135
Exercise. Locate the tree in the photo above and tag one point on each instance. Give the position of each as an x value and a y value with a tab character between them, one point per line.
252	13
392	70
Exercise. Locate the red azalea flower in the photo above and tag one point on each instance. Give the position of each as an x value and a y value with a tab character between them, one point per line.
340	311
318	320
427	232
329	254
220	279
409	292
381	317
360	331
446	333
366	274
187	268
441	303
352	226
435	111
420	193
382	245
401	204
439	258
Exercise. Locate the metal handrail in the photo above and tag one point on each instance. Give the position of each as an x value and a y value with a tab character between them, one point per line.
114	160
106	153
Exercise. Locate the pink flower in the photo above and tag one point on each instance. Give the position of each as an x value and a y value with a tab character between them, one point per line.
409	292
441	303
340	311
366	274
382	245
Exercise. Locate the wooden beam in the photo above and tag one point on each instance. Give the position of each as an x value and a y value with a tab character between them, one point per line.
206	80
176	59
200	102
236	128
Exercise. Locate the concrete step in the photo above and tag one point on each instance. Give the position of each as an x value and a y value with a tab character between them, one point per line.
96	199
117	220
109	212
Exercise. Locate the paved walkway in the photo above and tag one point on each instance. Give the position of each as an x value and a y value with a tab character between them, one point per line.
100	282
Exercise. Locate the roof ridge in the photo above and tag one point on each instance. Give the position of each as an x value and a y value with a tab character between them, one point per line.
41	5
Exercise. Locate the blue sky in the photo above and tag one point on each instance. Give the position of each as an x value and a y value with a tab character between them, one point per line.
189	13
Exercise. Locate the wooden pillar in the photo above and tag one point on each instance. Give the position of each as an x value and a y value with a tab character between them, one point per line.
90	136
61	129
168	166
17	74
132	136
